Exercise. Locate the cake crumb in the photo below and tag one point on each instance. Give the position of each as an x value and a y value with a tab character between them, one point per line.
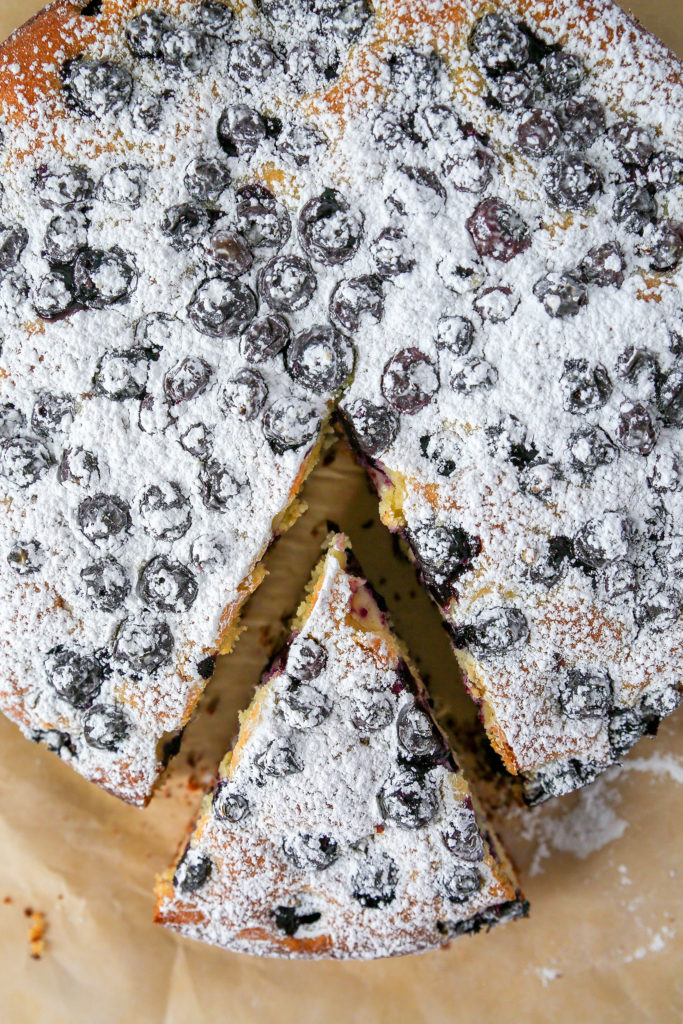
548	974
36	934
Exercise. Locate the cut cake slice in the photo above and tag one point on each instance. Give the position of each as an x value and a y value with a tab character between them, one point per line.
340	825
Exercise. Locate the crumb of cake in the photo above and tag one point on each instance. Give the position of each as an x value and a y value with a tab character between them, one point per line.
36	934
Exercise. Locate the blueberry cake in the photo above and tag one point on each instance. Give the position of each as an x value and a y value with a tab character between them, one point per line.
340	824
457	225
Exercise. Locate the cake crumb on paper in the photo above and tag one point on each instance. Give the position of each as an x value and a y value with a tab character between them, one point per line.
548	974
36	934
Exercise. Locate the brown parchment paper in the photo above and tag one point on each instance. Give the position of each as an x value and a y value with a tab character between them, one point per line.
601	868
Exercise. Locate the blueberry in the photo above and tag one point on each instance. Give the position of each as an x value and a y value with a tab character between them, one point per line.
664	170
665	702
344	19
197	440
244	395
13	241
221	307
254	60
408	800
145	33
187	379
461	835
411	69
277	760
230	250
186	225
539	133
372	428
392	130
279	12
55	294
66	236
72	187
617	579
306	659
106	584
582	121
208	552
55	741
666	474
418	738
329	229
78	466
213	16
26	558
584	386
24	460
438	122
455	333
357	302
496	304
418	186
186	50
670	397
371	712
461	274
304	851
635	430
310	63
122	375
410	381
301	143
631	143
634	207
374	882
103	277
604	539
52	412
105	727
264	339
442	450
218	487
443	554
473	374
166	585
571	182
147	111
589	448
304	706
657	608
561	294
604	265
462	883
515	89
229	806
392	253
75	676
165	511
193	871
206	178
664	247
550	563
289	920
498	231
96	88
144	645
240	130
102	516
626	727
287	283
290	423
585	694
154	331
260	218
320	359
494	630
123	185
500	43
12	420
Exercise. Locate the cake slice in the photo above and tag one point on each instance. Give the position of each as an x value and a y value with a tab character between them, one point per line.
340	825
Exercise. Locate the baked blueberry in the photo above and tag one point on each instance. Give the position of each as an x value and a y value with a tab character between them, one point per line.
289	920
589	448
372	428
657	607
550	561
74	675
59	743
664	247
303	706
310	63
585	694
539	133
371	711
229	806
455	333
442	450
154	415
197	439
244	395
254	60
561	294
410	381
664	170
26	557
461	273
515	89
97	88
165	511
147	111
494	630
103	277
291	423
320	359
301	142
277	760
392	253
63	190
462	882
496	304
193	871
186	49
154	331
417	736
66	236
461	835
209	552
571	182
562	73
187	379
166	585
145	33
186	225
78	466
102	516
661	703
409	800
221	307
498	231
631	143
417	186
606	538
218	487
52	412
443	554
24	460
260	218
106	584
122	375
55	294
230	250
344	19
584	386
670	396
304	850
306	659
500	43
144	645
473	374
105	727
264	339
329	229
213	17
123	185
357	302
392	129
13	241
582	120
635	430
206	178
374	882
12	420
414	71
287	283
617	580
604	265
634	207
240	130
